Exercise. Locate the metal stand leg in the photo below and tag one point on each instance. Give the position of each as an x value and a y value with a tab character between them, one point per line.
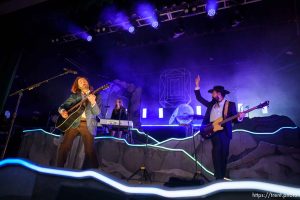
12	125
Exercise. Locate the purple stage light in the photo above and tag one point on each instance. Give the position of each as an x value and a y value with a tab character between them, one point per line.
89	38
211	12
79	32
147	11
211	8
118	18
154	24
131	29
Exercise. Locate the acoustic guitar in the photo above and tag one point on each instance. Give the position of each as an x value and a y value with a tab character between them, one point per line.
75	112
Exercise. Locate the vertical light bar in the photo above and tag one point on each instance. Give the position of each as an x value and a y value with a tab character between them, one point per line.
160	113
265	110
144	115
198	110
240	107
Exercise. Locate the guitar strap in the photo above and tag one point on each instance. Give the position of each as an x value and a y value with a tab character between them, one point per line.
226	109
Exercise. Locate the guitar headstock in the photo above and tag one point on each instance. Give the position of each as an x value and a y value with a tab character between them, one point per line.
104	87
264	104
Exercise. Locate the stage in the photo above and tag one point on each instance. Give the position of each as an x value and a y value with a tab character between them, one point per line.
149	99
169	163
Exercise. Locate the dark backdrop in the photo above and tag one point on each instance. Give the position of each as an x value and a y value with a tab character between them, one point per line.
258	60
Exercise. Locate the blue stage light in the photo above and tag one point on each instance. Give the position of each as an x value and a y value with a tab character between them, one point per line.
211	7
211	12
154	24
131	29
89	38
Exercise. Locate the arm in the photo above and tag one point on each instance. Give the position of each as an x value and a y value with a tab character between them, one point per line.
66	104
113	115
198	94
233	112
95	106
200	98
124	114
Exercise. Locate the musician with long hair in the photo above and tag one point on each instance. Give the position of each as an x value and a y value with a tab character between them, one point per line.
118	113
86	125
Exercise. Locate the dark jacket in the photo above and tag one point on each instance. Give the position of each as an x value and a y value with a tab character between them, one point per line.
209	104
119	114
90	112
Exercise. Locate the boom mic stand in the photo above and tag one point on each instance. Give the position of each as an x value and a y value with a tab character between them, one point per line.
20	93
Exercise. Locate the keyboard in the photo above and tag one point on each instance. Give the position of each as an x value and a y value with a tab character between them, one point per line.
123	123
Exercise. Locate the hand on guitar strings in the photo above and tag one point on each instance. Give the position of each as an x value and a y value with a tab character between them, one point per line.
241	116
92	99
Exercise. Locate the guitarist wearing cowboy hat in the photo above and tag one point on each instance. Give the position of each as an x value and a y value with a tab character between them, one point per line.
216	108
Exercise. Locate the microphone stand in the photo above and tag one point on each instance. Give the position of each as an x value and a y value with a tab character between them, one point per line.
197	172
20	94
120	121
129	128
142	170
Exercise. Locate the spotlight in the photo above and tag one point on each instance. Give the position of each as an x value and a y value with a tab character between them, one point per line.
211	12
194	9
211	7
154	24
7	114
131	29
89	38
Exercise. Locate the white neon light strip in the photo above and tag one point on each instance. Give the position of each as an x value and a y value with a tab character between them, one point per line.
264	133
142	133
236	130
57	135
201	191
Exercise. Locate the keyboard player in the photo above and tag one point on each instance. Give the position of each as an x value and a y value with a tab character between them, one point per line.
119	113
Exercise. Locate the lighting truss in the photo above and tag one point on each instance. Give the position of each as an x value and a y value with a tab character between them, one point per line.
164	15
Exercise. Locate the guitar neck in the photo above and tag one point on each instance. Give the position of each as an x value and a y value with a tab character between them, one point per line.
236	116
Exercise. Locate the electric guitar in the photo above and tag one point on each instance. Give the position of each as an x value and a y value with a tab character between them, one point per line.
75	112
207	131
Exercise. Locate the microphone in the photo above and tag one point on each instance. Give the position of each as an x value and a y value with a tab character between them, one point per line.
70	71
